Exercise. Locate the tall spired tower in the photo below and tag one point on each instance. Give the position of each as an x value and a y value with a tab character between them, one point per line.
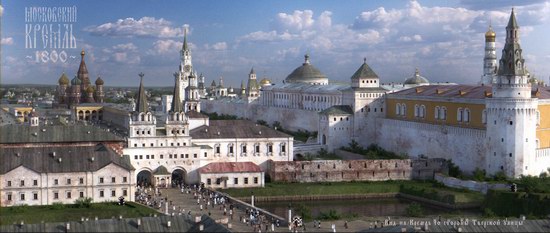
511	113
490	59
185	68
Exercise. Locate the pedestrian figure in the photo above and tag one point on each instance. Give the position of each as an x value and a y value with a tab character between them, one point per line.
346	224
319	224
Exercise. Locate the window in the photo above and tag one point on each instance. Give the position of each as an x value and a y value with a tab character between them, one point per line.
151	144
22	196
101	194
81	180
161	156
35	196
403	109
235	180
217	146
56	182
22	183
81	194
68	181
218	181
270	148
69	195
422	111
124	192
9	183
443	113
466	115
170	156
181	156
135	157
231	149
257	148
146	156
113	193
416	110
124	179
194	155
140	156
484	117
55	195
283	148
459	114
255	180
246	180
101	180
244	148
398	109
208	181
35	182
113	179
205	154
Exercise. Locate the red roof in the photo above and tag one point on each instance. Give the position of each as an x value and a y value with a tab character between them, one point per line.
230	167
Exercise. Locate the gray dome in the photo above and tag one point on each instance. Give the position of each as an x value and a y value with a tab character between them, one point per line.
306	73
417	79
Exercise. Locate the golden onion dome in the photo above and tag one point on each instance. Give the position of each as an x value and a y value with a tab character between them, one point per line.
90	89
490	33
63	80
265	81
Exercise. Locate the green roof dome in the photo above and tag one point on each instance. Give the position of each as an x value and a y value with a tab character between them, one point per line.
76	81
306	73
417	79
63	80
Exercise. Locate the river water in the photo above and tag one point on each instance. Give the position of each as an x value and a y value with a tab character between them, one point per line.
361	208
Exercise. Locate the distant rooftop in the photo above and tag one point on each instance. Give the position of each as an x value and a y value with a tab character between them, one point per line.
10	134
235	129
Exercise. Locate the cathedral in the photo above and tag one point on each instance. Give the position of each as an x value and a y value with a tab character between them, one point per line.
79	89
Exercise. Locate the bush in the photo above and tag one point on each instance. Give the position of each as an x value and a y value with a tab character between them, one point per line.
415	210
261	122
83	202
454	170
330	215
479	175
20	208
304	212
488	213
500	176
57	206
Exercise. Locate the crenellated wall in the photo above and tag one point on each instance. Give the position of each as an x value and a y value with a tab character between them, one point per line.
353	170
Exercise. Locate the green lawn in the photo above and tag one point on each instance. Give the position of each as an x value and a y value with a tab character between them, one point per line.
62	213
290	189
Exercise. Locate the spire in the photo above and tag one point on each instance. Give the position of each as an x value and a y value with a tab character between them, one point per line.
82	70
176	101
512	23
141	105
184	47
512	62
416	72
252	71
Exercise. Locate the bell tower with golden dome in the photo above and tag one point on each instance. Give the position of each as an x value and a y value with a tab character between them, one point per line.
490	58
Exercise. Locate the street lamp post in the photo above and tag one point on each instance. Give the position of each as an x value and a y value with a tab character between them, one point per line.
252	198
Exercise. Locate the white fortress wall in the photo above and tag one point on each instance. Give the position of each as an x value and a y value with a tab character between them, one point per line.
466	147
292	119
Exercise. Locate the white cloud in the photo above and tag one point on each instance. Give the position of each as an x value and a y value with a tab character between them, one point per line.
297	21
144	27
125	47
6	41
416	38
217	46
122	53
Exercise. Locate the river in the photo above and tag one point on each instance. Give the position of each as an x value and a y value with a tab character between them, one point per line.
360	208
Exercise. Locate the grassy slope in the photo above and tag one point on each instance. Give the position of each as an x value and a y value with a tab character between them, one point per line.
36	214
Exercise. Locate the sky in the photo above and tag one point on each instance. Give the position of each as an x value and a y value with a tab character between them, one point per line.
443	39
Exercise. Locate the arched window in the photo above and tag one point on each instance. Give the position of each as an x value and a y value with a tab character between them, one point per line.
416	111
437	113
443	113
484	117
459	114
466	115
403	109
398	109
